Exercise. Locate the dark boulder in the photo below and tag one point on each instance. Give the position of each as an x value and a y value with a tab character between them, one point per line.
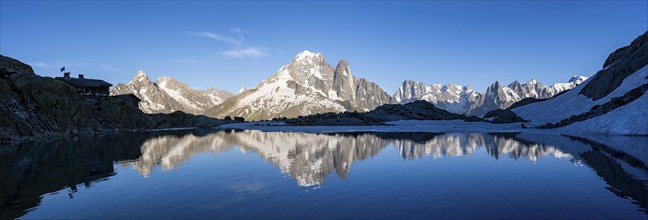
335	119
418	110
502	116
473	119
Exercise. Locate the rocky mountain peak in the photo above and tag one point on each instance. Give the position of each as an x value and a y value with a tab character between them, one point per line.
170	80
578	79
165	78
140	77
167	83
342	69
515	85
452	88
306	54
343	63
140	73
409	82
306	67
410	90
343	81
308	57
494	87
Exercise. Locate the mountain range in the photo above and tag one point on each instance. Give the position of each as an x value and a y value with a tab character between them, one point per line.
613	101
310	85
167	95
464	100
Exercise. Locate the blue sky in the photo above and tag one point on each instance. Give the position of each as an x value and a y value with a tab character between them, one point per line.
230	45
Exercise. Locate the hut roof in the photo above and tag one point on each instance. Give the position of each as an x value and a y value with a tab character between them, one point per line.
85	82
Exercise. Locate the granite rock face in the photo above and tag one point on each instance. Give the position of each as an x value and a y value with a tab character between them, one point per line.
31	104
619	65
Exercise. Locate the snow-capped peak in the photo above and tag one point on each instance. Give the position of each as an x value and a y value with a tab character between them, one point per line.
306	55
532	81
140	73
165	78
140	76
241	90
578	79
162	80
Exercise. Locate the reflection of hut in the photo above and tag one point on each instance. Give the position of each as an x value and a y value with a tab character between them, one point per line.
86	86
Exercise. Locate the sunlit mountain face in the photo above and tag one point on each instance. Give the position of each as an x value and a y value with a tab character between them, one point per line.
29	172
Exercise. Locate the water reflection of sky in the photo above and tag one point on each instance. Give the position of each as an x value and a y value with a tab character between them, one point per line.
243	173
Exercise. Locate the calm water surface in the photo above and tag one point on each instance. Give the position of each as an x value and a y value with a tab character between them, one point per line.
253	174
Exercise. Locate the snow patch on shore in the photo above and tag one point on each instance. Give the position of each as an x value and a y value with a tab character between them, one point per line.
572	103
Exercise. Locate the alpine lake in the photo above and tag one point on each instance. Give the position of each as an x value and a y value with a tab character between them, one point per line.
234	174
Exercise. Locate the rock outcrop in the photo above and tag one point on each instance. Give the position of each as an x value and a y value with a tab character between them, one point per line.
32	105
619	65
10	65
504	116
418	110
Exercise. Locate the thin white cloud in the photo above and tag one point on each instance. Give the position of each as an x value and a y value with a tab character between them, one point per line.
239	49
39	64
247	52
223	38
110	67
238	31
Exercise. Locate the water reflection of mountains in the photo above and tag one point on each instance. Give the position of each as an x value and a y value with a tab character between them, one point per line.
30	170
309	158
